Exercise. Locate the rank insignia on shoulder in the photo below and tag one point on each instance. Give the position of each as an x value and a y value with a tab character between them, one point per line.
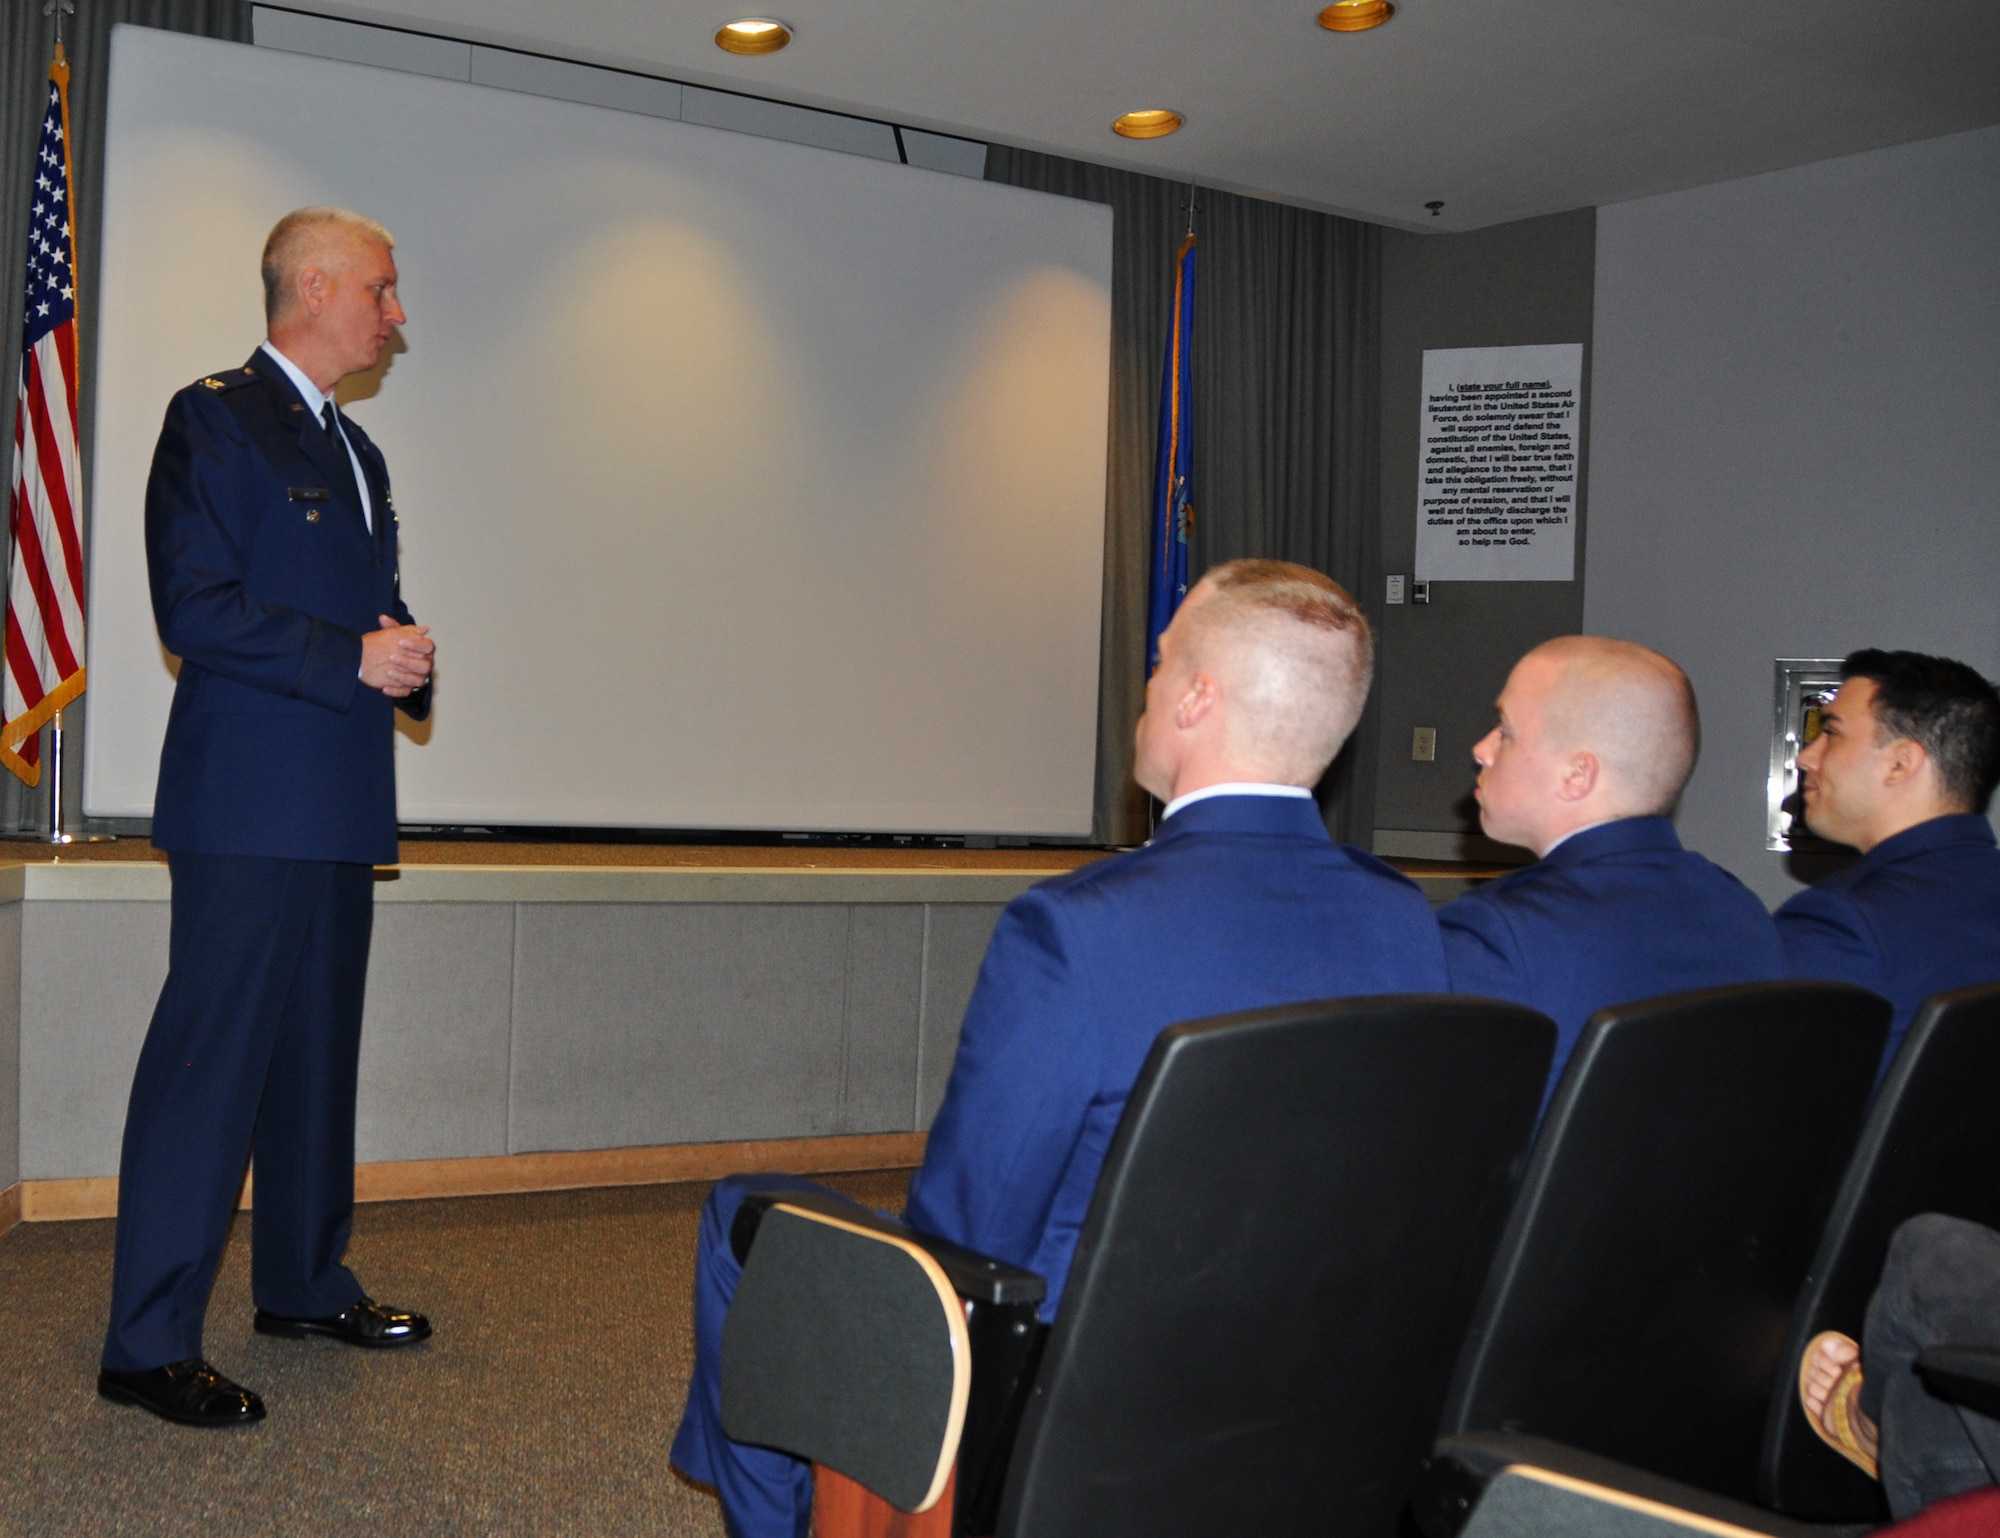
212	383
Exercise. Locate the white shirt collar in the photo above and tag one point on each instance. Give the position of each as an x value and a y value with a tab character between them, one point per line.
314	397
1235	788
1572	834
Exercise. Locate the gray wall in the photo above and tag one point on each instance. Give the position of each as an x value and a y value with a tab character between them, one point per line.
1795	439
503	1027
10	1044
1443	663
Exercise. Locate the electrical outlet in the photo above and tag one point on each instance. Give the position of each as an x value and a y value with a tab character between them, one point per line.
1424	745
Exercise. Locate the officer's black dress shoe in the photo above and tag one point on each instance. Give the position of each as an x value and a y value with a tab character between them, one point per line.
191	1392
363	1323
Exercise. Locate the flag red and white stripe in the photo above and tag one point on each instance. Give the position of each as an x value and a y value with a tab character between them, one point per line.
44	639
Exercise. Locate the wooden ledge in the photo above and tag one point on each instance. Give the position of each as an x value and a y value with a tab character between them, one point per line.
55	1201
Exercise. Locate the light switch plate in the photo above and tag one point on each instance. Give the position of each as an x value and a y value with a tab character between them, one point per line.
1424	744
1395	593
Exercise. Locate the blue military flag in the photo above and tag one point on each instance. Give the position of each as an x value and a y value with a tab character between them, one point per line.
1173	514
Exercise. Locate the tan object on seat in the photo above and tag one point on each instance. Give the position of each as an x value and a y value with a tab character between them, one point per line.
1841	1407
844	1509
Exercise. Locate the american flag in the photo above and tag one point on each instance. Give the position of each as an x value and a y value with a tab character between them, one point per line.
44	641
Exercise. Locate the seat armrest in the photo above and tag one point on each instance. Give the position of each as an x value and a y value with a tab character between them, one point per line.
1460	1468
973	1276
1965	1375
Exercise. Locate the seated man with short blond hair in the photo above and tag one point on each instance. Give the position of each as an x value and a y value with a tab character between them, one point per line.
1595	741
1240	901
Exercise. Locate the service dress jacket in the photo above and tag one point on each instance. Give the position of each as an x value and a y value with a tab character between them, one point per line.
1611	915
264	577
1917	914
1238	902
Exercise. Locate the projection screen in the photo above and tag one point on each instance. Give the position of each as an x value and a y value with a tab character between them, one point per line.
744	485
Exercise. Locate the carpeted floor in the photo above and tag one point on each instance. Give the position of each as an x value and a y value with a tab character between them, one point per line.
544	1404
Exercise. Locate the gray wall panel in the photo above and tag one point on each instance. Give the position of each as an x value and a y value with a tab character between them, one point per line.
782	120
1794	455
676	1024
884	994
1442	663
10	1044
414	53
435	1040
90	975
954	944
510	71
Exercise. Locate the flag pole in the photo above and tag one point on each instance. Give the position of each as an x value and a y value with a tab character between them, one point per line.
57	834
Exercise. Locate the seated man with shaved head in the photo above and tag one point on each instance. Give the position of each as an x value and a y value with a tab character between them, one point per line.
1240	901
1595	741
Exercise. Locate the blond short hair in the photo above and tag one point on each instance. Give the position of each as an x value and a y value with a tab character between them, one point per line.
1295	652
298	238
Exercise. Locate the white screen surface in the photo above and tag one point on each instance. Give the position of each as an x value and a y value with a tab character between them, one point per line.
743	484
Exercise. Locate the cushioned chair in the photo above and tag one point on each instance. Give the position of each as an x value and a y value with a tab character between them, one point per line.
1638	1305
1282	1252
1929	1146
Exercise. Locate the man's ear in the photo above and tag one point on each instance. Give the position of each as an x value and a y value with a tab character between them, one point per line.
1907	761
1580	775
313	284
1195	702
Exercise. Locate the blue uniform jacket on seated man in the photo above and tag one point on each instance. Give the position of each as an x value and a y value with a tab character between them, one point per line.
1612	914
276	796
1239	902
1917	914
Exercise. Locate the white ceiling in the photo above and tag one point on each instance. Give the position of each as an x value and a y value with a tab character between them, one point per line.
1501	108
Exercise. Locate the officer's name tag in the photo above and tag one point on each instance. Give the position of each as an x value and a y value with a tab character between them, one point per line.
308	493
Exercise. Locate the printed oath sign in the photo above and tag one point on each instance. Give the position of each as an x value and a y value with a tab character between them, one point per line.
1496	472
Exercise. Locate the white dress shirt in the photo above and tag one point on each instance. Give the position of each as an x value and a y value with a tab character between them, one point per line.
316	402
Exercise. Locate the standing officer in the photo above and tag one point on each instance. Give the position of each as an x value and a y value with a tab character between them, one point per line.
271	546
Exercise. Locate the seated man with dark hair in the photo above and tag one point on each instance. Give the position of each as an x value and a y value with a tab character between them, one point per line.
1596	740
1903	768
1240	901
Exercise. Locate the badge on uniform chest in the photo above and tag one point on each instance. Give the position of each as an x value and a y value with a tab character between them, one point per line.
315	498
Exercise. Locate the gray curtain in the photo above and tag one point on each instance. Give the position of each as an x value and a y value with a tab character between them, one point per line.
26	42
1286	414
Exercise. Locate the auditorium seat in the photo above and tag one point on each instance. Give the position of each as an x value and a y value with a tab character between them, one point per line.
1282	1253
1929	1146
1638	1304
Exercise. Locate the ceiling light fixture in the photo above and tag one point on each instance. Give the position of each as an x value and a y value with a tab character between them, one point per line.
753	35
1154	123
1355	15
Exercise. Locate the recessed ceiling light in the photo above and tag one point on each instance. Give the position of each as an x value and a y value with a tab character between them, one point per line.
753	35
1155	123
1355	15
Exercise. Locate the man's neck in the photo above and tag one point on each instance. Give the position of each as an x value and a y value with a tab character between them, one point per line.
299	352
1902	819
1560	839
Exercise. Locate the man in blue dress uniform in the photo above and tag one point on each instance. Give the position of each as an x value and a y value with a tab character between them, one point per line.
1595	741
271	547
1240	900
1903	768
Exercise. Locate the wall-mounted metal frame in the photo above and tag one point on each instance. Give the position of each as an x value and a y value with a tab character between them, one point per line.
1804	684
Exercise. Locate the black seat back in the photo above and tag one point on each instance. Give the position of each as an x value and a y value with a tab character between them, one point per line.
1282	1250
1930	1145
1644	1286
